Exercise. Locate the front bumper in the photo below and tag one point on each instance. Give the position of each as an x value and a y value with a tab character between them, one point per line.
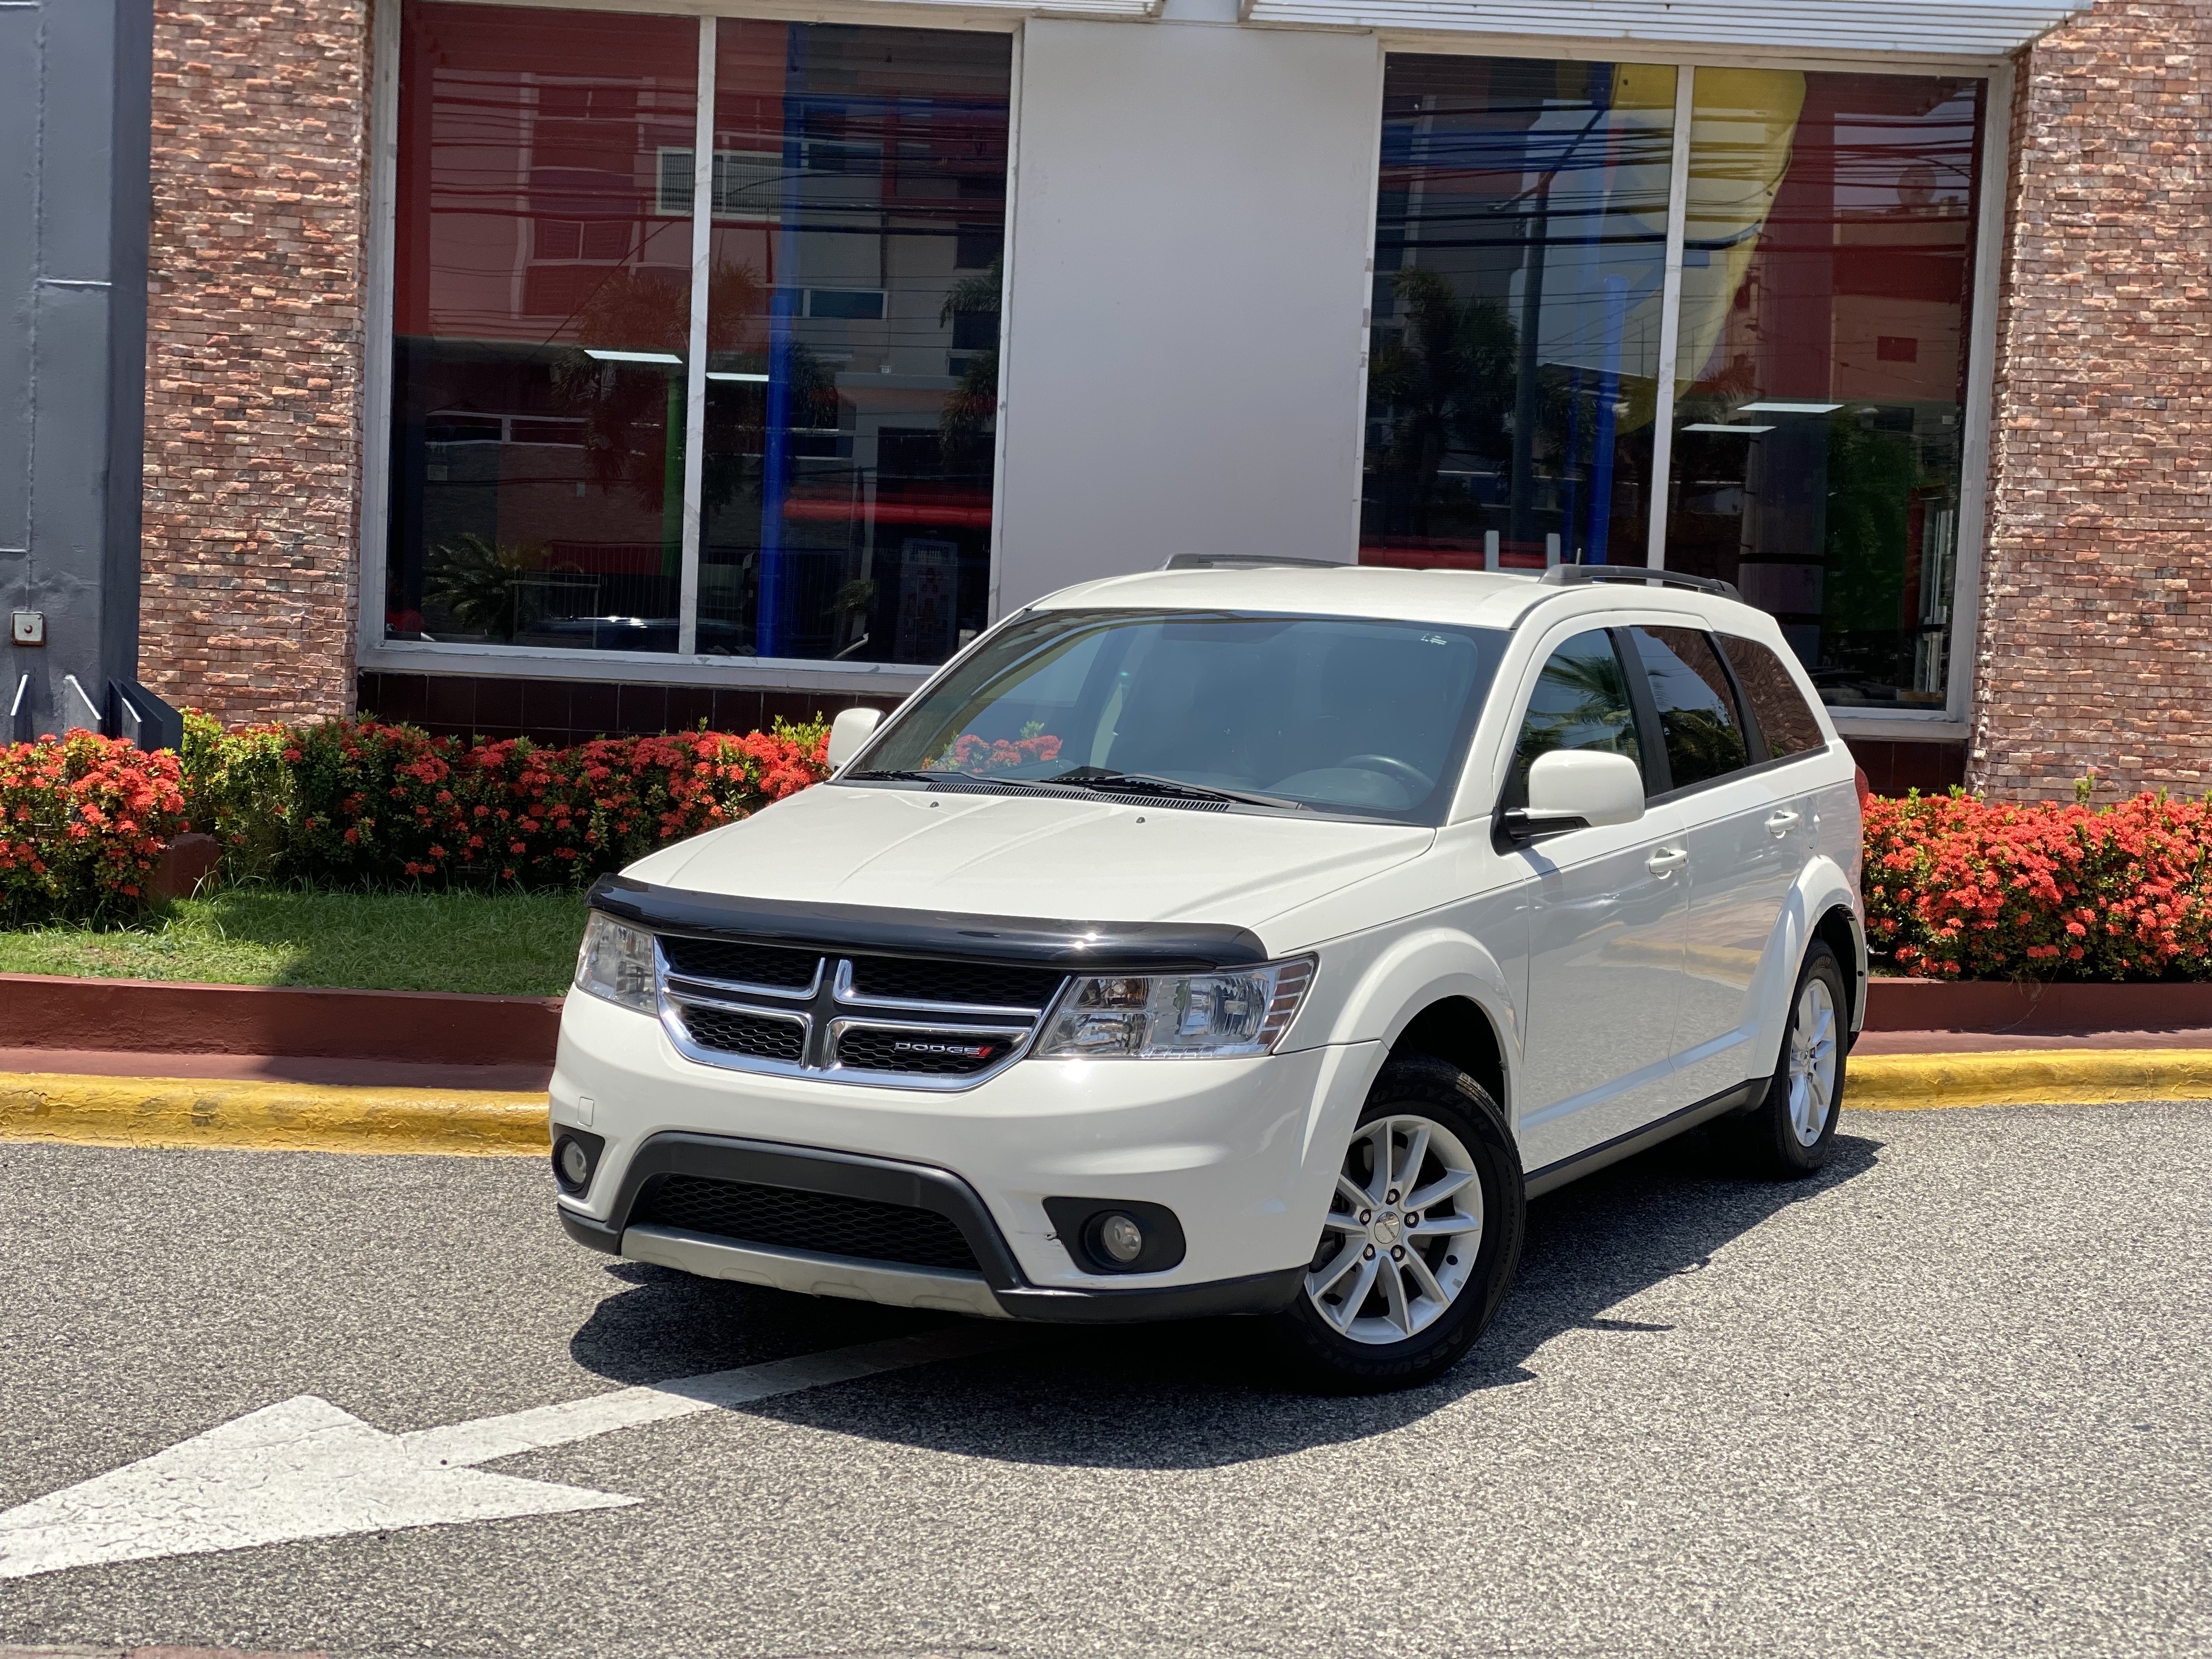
1243	1151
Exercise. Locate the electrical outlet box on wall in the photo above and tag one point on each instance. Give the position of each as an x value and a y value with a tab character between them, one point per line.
27	628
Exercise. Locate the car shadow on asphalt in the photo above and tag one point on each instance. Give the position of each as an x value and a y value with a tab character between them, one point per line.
1205	1393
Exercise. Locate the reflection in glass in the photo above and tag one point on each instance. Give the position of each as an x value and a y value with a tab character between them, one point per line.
1819	399
1520	247
859	193
1695	703
1580	700
1329	713
541	311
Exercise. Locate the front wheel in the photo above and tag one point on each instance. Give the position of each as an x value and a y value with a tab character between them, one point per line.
1421	1239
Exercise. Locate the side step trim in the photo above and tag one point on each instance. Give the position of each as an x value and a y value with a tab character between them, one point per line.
1552	1177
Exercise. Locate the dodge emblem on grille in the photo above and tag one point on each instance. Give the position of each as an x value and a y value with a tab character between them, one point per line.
959	1050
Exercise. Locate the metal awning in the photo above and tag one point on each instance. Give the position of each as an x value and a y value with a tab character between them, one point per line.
1954	28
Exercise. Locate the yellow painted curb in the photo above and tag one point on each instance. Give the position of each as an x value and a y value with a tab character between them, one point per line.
144	1111
152	1111
2026	1077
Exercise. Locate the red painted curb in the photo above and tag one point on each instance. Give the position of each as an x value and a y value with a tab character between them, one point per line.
39	1010
2004	1006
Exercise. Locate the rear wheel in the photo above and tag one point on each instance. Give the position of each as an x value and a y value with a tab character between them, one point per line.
1421	1239
1790	1134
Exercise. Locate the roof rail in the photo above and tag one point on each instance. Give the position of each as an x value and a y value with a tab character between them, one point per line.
1569	576
1242	561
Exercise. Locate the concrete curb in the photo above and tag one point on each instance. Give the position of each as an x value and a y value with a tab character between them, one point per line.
140	1111
146	1111
2029	1077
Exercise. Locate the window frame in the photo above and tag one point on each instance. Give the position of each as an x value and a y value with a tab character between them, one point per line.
371	650
1949	723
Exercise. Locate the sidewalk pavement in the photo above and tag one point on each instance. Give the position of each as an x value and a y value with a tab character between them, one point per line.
260	1100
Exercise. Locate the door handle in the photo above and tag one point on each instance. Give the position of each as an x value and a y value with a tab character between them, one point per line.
1782	823
1666	861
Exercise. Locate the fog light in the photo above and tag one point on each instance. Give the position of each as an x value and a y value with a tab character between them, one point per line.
1121	1239
575	1159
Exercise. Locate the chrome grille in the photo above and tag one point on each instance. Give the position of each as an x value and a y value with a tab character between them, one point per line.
762	1036
773	967
953	1053
951	984
897	1021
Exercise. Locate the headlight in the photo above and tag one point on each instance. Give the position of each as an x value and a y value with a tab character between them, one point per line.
615	962
1178	1016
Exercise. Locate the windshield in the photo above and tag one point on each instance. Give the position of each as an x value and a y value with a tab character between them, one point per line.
1312	713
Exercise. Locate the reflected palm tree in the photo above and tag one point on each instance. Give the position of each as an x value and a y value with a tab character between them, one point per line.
1580	702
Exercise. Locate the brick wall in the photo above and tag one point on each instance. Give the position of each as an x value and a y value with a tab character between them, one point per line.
254	355
2096	627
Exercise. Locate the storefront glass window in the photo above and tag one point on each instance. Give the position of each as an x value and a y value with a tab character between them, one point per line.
1520	253
1820	396
852	366
542	305
541	300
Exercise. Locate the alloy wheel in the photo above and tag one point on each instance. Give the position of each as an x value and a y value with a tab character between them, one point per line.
1402	1233
1812	1061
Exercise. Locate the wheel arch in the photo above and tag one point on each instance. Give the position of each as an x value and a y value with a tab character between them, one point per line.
1458	1031
1822	906
1439	991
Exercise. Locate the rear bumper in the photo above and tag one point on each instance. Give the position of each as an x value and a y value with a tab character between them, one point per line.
999	1290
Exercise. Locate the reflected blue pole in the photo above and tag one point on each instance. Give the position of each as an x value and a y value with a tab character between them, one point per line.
1608	391
775	436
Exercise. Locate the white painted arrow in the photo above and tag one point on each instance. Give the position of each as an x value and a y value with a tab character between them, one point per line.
303	1468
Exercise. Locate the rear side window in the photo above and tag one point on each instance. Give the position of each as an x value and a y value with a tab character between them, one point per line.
1580	701
1784	718
1697	706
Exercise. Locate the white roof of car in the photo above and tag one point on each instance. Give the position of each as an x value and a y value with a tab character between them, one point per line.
1473	598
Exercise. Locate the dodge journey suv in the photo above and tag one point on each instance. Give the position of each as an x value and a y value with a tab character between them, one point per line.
1234	938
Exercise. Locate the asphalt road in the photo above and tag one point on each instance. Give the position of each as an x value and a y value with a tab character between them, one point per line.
1953	1398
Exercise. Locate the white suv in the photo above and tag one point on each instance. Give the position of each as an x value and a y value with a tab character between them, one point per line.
1234	940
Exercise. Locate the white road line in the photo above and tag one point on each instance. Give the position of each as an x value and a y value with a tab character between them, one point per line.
490	1438
304	1468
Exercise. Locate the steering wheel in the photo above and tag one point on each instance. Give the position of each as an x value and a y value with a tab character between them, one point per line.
1416	782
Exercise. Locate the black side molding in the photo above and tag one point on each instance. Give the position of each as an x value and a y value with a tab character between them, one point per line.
1073	946
1552	1177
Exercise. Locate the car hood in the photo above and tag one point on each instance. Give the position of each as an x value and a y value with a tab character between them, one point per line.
1012	855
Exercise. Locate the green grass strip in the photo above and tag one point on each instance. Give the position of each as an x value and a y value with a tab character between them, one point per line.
504	945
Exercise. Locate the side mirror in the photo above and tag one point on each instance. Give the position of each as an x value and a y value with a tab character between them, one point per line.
1577	789
849	732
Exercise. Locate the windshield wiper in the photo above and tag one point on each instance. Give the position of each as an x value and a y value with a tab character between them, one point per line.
945	777
1147	783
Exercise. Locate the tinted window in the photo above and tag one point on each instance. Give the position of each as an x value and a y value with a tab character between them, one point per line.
1335	714
1696	708
1784	719
1580	701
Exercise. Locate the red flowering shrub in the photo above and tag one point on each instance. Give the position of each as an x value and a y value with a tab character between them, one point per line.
354	801
83	819
1960	888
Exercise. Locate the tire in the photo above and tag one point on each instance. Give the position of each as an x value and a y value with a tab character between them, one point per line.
1398	1262
1789	1134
